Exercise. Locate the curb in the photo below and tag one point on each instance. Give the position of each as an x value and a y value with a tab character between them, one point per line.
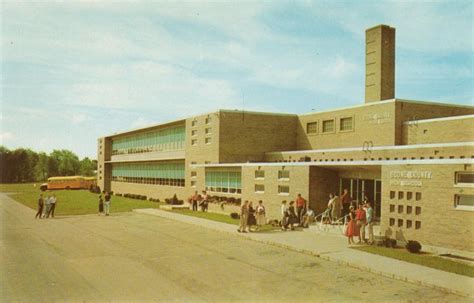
323	257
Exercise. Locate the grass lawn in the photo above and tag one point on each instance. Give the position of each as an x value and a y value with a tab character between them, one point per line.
424	259
217	217
72	202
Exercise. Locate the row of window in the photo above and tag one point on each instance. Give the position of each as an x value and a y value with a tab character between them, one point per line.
168	170
282	189
207	131
401	195
309	159
207	140
409	209
165	139
409	223
329	126
154	181
207	121
224	181
282	174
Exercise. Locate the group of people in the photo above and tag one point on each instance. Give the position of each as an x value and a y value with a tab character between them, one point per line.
200	200
104	206
250	216
358	220
46	206
301	216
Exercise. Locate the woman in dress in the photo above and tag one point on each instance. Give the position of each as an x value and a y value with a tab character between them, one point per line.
292	217
261	220
352	228
251	218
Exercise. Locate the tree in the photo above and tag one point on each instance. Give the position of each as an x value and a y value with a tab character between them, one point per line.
87	167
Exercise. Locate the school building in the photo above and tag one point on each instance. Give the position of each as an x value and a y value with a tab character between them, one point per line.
412	159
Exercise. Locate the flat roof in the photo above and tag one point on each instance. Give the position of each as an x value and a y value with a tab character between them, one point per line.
284	114
439	119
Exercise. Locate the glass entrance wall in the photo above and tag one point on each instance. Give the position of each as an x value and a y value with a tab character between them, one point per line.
169	173
168	139
360	188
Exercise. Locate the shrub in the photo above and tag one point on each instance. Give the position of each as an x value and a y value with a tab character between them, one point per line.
168	201
390	243
413	247
235	216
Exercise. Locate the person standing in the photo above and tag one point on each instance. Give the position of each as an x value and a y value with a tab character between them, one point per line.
300	208
351	229
345	201
292	217
284	215
261	220
47	207
107	203
361	221
52	202
194	200
244	211
40	207
251	221
336	208
370	222
101	205
204	201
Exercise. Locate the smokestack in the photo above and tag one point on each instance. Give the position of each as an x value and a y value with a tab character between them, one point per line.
379	63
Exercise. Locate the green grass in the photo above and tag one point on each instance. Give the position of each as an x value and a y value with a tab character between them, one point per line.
72	202
217	217
424	259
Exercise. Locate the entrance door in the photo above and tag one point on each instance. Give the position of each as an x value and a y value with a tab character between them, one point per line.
359	188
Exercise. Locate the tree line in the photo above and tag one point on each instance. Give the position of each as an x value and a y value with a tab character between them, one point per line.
25	165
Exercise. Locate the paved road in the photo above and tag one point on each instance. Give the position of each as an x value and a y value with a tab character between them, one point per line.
137	257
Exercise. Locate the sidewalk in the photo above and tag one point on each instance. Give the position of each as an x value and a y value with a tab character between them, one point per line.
334	248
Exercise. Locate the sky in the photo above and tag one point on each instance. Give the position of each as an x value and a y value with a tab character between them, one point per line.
74	71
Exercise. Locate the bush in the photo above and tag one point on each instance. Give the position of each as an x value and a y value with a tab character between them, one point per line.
390	243
235	216
413	247
118	195
167	201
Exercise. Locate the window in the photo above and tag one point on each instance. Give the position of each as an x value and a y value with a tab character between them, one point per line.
418	196
283	174
409	223
193	183
400	195
193	174
194	142
223	181
208	120
392	194
345	124
312	128
208	140
464	202
400	209
283	190
208	131
400	222
464	178
392	208
193	163
392	222
417	224
418	210
328	126
194	123
409	209
259	174
259	188
409	195
194	132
